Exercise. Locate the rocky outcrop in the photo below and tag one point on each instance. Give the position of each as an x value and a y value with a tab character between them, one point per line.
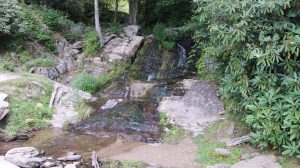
4	105
197	109
132	30
64	101
121	49
26	157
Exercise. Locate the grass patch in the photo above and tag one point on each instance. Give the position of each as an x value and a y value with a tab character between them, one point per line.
83	109
174	133
40	62
92	43
208	142
29	104
289	162
85	83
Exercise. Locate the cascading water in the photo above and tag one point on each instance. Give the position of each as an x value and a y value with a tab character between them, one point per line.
183	56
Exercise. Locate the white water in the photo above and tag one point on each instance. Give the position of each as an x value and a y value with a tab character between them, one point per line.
183	56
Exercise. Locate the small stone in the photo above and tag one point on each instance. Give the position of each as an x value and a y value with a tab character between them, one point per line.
222	151
249	155
109	104
219	166
70	153
70	158
238	141
70	166
48	164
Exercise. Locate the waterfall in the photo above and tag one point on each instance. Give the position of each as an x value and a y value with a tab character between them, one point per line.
151	76
183	56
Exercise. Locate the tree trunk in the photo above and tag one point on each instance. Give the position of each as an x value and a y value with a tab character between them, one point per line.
133	11
97	23
116	10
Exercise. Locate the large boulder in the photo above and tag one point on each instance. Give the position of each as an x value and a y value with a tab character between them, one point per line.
258	162
120	49
6	164
25	157
198	108
4	105
64	99
132	30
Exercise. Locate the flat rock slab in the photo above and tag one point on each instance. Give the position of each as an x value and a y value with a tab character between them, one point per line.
198	108
8	76
258	162
119	49
64	99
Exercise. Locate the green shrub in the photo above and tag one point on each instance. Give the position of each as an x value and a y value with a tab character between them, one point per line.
85	83
92	43
257	45
11	17
163	38
114	29
25	56
8	66
55	19
40	62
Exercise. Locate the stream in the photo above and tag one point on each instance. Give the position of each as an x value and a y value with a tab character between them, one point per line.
134	119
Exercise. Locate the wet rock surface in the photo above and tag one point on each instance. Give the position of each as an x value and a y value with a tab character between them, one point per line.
198	108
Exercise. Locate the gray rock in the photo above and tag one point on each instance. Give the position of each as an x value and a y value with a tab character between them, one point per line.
222	151
4	105
25	157
119	49
132	30
48	164
219	166
109	104
70	158
197	109
62	68
249	155
78	45
64	99
6	164
49	72
238	141
258	162
140	89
